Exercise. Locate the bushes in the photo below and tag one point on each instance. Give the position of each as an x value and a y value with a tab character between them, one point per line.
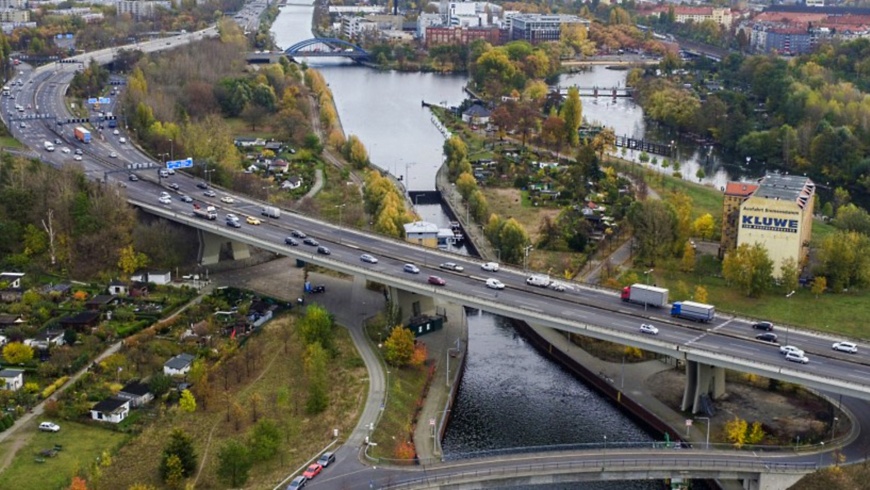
50	389
130	329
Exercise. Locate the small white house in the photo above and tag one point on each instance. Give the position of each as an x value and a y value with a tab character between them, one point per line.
178	365
13	279
113	410
159	278
12	379
292	183
137	393
44	340
117	288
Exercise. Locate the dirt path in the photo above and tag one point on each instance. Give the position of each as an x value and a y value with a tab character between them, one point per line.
16	443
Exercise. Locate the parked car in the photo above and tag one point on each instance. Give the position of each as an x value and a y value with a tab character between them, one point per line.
413	269
790	348
291	241
452	266
437	281
371	259
849	347
77	158
312	471
310	241
325	459
323	250
648	329
490	266
297	483
318	289
766	337
494	284
796	357
49	427
763	326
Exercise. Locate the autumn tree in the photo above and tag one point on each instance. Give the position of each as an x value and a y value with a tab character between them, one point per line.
687	263
355	152
512	240
78	483
234	463
399	346
818	286
129	261
749	269
180	447
789	274
315	363
466	184
700	294
187	403
654	224
735	432
844	259
704	226
17	353
572	114
756	433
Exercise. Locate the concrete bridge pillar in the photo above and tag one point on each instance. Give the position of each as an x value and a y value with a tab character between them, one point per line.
772	481
702	379
410	304
210	246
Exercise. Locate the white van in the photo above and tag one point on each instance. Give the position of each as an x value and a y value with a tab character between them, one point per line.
122	140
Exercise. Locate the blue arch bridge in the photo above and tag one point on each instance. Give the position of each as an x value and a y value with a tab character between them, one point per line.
318	47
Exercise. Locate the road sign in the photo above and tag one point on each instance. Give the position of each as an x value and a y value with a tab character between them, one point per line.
186	163
432	422
105	100
92	101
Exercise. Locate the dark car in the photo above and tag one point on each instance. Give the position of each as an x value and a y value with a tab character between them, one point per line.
298	234
310	241
763	326
202	185
297	483
323	250
766	337
437	281
291	241
318	289
325	459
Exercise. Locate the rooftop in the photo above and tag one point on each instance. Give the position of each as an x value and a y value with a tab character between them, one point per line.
109	405
785	187
136	388
180	361
11	373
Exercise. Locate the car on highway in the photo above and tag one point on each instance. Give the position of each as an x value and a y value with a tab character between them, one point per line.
201	185
291	241
133	177
79	151
77	158
436	280
116	132
174	186
371	259
232	216
49	427
323	250
298	234
312	471
790	348
763	326
310	241
797	357
494	284
113	155
326	458
252	220
490	266
648	329
452	266
297	483
233	223
165	200
228	200
23	125
411	268
849	347
766	337
65	150
555	286
186	198
209	193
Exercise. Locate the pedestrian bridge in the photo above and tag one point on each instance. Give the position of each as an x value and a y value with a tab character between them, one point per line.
319	47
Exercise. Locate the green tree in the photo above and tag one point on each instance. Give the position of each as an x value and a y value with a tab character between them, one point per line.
455	151
818	286
17	353
512	241
356	152
399	347
315	364
317	326
572	114
180	446
789	274
478	206
687	263
844	259
187	403
265	440
466	184
655	227
234	463
749	268
173	472
159	384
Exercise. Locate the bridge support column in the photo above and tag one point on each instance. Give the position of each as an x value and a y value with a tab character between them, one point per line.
772	481
410	304
210	246
702	379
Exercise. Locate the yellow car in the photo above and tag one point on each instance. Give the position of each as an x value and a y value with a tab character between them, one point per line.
252	220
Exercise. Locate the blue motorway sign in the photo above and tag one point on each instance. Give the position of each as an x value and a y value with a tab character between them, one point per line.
92	101
186	163
105	100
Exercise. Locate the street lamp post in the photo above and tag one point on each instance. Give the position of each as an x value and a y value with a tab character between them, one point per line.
171	150
788	296
526	252
436	432
821	453
707	419
647	273
834	428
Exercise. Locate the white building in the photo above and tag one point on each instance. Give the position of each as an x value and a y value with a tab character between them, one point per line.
113	410
159	278
178	365
141	9
12	379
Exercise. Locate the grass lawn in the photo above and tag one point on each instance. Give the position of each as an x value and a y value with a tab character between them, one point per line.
10	142
406	388
82	445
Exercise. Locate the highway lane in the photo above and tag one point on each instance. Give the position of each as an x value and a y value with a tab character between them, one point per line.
733	337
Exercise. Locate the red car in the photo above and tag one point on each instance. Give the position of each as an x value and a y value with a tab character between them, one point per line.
437	281
312	471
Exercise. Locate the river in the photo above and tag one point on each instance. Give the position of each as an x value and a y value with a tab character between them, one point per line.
511	396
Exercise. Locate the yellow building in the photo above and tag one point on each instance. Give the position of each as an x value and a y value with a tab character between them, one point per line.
779	216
